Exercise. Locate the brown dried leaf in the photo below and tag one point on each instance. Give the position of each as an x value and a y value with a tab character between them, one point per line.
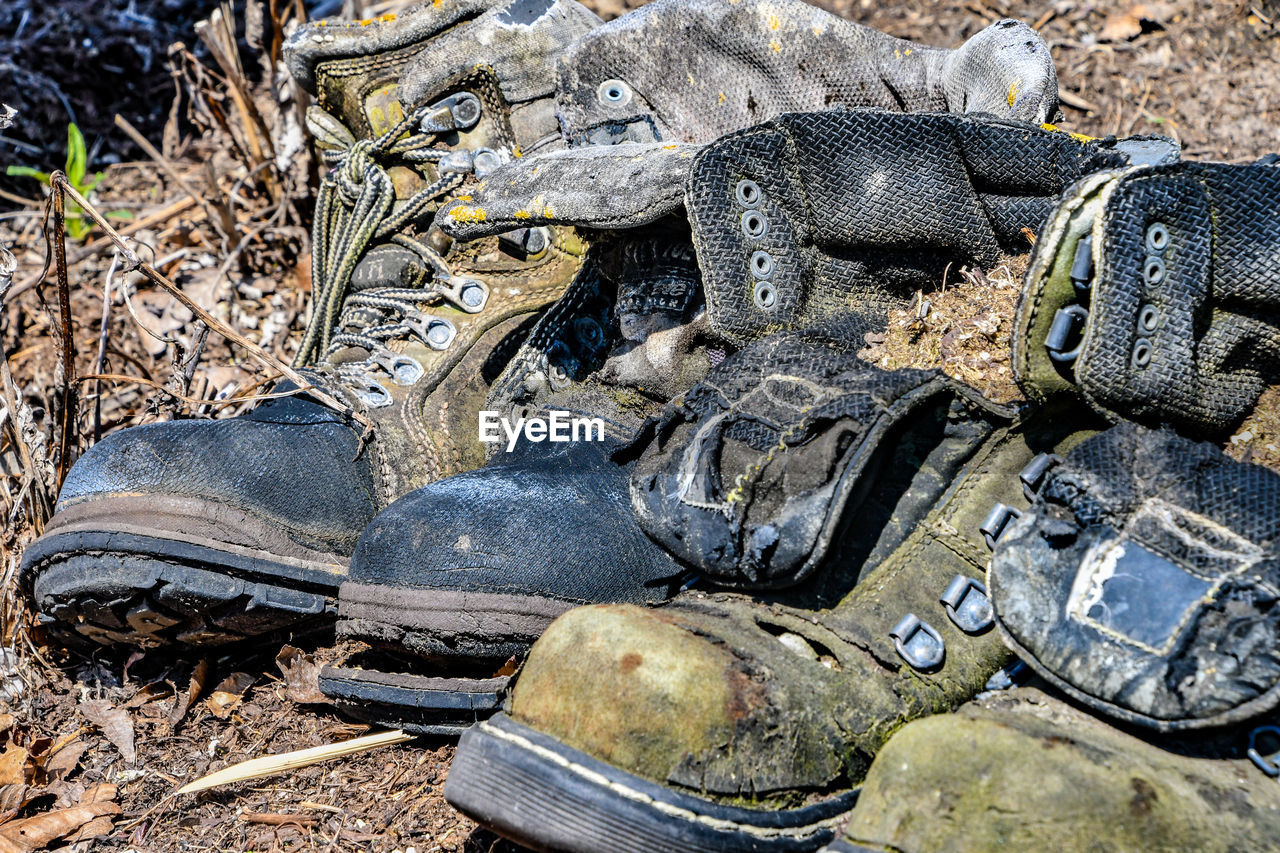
301	676
65	758
13	765
113	722
228	694
152	692
195	687
95	828
36	832
12	798
1123	26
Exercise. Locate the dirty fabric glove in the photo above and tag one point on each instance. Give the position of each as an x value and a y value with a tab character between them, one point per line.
754	473
694	70
1145	581
1155	293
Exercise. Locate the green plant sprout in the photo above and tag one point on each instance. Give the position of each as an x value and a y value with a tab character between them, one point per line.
77	168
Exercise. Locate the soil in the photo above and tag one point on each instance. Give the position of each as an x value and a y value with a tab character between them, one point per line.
118	731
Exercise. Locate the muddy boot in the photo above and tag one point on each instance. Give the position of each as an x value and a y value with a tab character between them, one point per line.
1152	294
1021	770
1144	582
211	531
726	722
408	554
461	574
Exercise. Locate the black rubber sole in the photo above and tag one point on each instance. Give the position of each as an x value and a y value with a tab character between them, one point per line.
445	624
417	704
538	792
114	588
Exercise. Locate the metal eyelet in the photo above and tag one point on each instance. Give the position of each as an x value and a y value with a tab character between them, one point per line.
403	369
968	605
485	160
748	193
1034	473
1265	763
466	111
1157	238
371	393
765	296
754	224
1149	318
1067	324
1142	350
993	526
918	643
1153	272
435	332
762	264
614	93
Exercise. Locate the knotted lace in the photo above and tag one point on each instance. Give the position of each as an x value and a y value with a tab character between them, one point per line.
354	209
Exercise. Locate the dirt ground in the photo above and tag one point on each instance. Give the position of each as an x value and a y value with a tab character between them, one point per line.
97	742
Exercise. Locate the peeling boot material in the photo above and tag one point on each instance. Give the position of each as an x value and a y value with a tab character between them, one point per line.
209	532
773	705
1152	294
631	332
1144	581
1023	770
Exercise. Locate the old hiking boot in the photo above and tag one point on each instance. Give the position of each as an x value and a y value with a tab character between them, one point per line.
632	333
728	722
464	590
1021	770
1153	295
209	531
1142	583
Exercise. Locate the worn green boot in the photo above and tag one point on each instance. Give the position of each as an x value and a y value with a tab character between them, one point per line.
211	531
726	722
1152	294
1021	770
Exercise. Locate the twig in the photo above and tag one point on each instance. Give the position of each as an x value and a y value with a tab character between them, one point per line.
67	393
102	345
269	765
195	401
217	210
133	262
90	249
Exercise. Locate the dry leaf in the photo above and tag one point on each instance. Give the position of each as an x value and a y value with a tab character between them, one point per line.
1123	26
13	765
115	723
195	687
6	722
12	798
150	693
301	676
36	832
227	695
95	828
63	759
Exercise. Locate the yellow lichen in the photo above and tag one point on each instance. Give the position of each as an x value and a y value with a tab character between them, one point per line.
464	213
1013	93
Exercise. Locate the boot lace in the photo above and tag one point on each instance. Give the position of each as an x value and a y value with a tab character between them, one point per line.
355	209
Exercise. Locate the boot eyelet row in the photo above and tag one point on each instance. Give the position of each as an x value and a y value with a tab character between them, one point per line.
1154	271
755	225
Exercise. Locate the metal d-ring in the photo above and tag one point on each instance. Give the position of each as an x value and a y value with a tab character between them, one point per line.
1265	763
1067	322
